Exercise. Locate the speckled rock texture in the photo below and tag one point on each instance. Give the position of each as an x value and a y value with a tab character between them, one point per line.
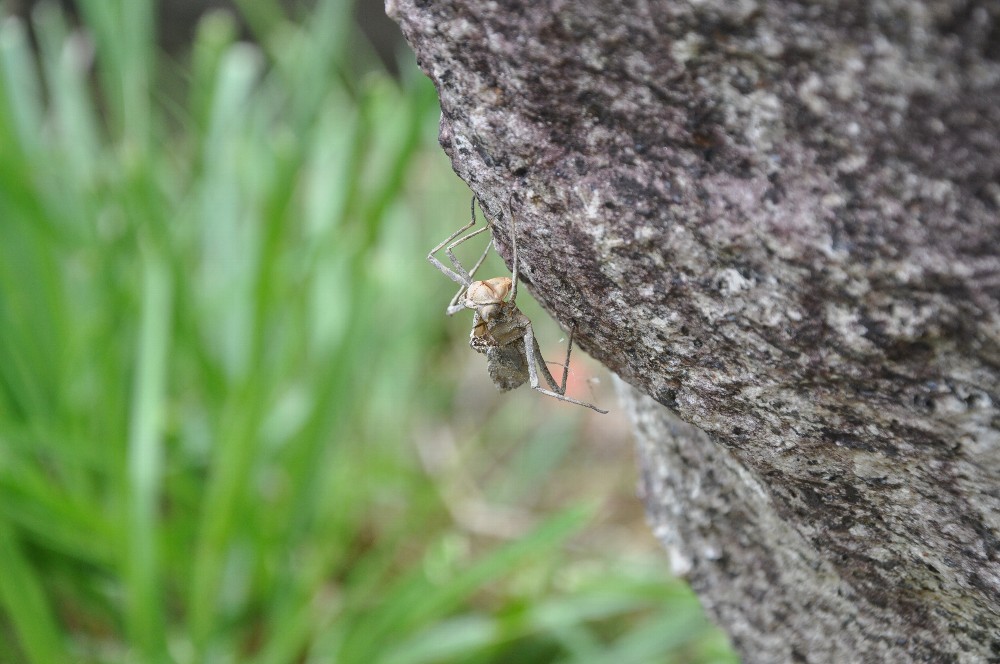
781	222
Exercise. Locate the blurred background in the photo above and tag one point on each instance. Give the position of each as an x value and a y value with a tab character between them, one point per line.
235	423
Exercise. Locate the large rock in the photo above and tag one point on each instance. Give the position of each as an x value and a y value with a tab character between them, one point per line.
779	220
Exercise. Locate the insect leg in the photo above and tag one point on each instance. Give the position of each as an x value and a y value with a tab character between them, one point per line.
569	349
458	274
513	241
530	349
456	305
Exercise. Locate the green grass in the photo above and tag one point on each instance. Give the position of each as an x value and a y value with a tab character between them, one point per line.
234	424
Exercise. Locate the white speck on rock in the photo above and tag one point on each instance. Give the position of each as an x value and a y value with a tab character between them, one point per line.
730	281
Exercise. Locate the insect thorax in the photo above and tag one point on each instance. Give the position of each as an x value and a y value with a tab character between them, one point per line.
504	327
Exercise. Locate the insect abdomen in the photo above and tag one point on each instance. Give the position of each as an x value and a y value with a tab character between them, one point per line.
507	365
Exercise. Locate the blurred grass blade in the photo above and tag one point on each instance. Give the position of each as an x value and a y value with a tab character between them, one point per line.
25	602
263	16
21	87
138	41
565	619
417	601
123	34
215	35
66	58
145	465
453	639
230	246
645	642
397	126
229	239
39	509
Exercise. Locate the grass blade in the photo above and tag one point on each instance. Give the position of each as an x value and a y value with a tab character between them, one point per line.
21	85
145	466
418	601
22	595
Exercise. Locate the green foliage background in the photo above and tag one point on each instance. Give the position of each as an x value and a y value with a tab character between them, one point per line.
234	424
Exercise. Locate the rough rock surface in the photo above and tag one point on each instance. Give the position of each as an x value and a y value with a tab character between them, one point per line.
781	221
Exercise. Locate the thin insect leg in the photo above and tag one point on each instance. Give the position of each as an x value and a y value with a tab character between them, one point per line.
482	258
513	241
453	258
459	274
530	344
455	304
472	221
569	349
546	374
455	308
556	387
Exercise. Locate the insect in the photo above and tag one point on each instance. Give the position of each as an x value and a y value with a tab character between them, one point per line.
499	329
